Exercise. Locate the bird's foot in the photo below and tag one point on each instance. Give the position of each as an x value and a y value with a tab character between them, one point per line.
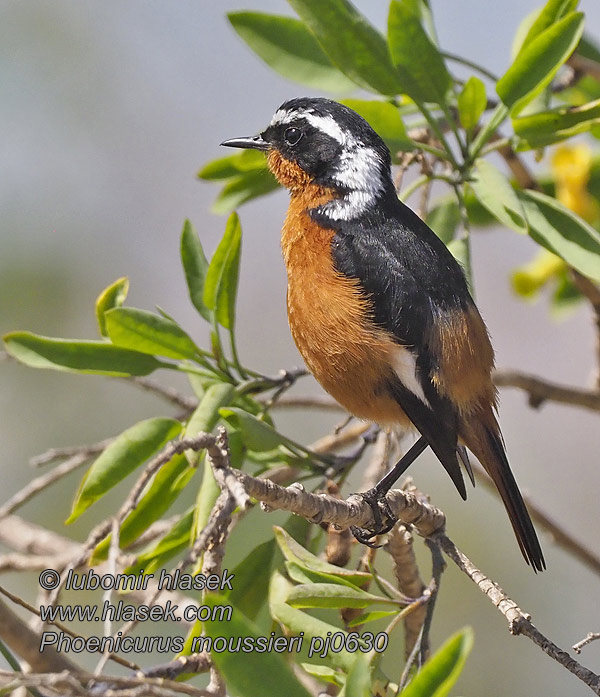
378	503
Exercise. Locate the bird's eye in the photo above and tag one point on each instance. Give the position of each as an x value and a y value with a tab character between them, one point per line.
292	135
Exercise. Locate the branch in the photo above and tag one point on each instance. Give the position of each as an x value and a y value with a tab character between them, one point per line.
540	390
519	622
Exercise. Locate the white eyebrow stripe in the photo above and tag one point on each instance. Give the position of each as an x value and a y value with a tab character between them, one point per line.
325	124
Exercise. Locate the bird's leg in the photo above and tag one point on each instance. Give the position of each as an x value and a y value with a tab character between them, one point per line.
376	497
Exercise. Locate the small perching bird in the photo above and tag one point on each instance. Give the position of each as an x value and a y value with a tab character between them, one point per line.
378	306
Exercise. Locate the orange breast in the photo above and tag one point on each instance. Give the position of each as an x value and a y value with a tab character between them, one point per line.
329	318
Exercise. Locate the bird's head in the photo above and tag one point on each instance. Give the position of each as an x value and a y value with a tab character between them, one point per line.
318	141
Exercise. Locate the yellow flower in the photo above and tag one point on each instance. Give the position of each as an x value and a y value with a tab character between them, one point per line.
571	165
528	279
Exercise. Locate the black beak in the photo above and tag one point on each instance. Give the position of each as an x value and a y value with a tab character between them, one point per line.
250	143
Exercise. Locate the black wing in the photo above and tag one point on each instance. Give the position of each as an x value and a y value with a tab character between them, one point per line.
413	281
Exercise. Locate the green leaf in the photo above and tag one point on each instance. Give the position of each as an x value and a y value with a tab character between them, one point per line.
126	453
232	165
420	66
293	551
351	43
324	673
166	485
555	227
258	435
90	357
303	574
589	48
287	46
144	331
176	540
206	415
252	674
494	191
228	285
372	616
386	120
358	682
471	102
220	287
297	621
243	188
444	219
251	578
547	127
113	296
552	12
195	267
332	595
440	673
204	419
538	62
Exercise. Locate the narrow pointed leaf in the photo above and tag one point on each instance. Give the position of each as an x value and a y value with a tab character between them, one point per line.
113	296
493	190
144	331
358	682
332	595
221	278
472	102
421	69
232	165
296	621
125	454
176	540
91	357
254	673
548	15
164	489
351	43
386	120
444	219
555	227
538	62
293	551
287	46
547	127
251	578
440	673
195	267
258	435
243	188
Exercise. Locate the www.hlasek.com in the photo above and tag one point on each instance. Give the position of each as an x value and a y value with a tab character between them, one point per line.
169	612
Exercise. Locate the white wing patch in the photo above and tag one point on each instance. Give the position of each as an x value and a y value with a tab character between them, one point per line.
405	367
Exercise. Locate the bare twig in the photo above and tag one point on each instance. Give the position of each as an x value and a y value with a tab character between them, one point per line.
400	547
540	390
8	635
585	65
42	482
519	622
592	636
171	395
81	683
70	451
26	643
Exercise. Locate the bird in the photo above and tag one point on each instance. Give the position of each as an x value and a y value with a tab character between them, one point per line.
379	308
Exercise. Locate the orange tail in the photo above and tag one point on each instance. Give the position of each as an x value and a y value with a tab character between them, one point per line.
485	442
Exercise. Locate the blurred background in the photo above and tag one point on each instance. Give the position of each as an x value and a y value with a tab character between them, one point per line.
107	111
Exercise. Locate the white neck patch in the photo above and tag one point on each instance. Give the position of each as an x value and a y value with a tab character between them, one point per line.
359	171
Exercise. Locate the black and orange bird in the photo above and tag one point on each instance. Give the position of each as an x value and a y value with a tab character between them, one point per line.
378	306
